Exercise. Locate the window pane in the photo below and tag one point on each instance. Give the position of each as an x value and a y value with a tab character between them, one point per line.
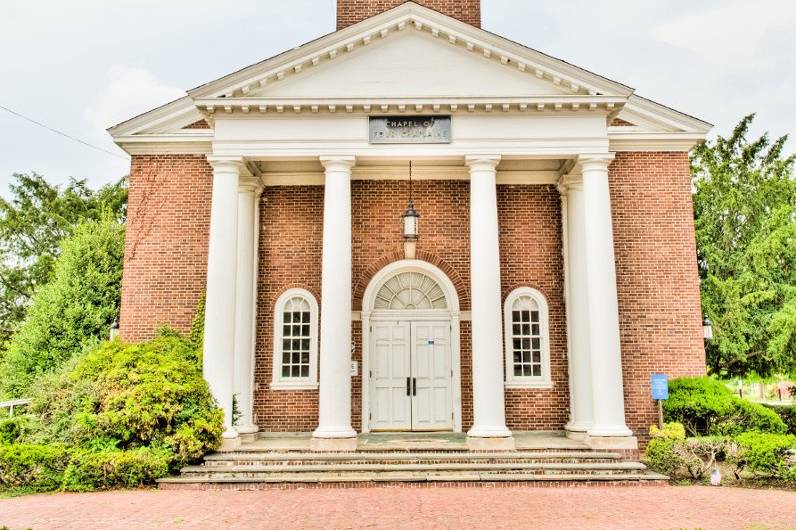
517	369
305	330
534	316
305	357
305	316
535	329
515	316
537	357
305	371
524	315
286	330
536	341
305	345
526	370
516	343
526	344
285	371
526	356
537	371
285	344
517	357
295	357
515	329
287	317
526	329
294	371
285	357
295	344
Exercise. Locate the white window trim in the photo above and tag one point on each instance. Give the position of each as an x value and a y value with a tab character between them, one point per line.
293	383
527	381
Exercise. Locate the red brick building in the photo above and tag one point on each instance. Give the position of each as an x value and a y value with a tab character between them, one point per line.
551	270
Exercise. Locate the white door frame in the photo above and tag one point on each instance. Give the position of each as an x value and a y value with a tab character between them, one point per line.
450	314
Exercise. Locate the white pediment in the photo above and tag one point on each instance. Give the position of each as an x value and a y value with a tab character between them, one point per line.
410	64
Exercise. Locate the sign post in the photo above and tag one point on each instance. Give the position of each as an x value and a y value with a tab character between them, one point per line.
659	386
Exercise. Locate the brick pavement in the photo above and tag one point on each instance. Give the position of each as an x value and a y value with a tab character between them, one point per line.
410	509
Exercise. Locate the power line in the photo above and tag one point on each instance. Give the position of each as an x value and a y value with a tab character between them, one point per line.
56	131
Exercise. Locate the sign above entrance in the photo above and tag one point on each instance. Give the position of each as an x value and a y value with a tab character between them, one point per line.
409	129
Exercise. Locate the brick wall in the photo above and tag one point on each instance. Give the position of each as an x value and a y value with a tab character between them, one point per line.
165	259
291	242
352	11
657	283
530	255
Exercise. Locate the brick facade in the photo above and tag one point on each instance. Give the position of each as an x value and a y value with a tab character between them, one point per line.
166	260
165	255
352	11
659	307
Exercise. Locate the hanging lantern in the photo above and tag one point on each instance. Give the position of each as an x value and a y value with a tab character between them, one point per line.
707	329
411	219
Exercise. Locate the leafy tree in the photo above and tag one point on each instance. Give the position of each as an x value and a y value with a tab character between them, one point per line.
71	312
745	208
33	220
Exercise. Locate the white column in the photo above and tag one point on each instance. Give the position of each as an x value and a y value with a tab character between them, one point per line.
603	309
219	338
489	417
580	385
246	286
334	407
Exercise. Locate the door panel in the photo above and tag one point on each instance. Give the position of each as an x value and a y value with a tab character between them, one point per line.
432	407
390	360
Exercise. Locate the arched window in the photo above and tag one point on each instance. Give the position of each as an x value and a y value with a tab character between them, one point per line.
410	290
295	340
527	339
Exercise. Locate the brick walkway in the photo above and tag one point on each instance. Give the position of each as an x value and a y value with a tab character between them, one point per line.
410	509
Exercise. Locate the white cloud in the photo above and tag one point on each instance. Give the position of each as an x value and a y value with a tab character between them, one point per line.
733	30
129	91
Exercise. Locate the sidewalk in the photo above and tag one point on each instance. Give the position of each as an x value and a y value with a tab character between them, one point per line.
581	508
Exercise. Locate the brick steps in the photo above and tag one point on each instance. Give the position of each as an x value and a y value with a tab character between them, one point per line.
253	469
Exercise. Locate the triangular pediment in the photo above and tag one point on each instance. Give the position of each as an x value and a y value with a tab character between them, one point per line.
410	64
409	58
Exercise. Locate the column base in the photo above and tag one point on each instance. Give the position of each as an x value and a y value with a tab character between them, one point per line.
611	442
333	445
230	441
576	431
477	443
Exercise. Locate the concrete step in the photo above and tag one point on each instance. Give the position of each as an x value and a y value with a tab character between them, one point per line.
252	470
404	476
237	458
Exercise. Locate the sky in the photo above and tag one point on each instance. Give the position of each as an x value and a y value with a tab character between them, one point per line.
80	66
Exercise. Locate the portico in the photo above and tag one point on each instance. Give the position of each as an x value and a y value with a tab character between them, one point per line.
229	343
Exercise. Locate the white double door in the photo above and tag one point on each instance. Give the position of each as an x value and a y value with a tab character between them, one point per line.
411	376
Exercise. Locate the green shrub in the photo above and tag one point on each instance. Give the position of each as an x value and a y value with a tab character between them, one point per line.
12	429
672	454
660	456
705	406
123	396
90	470
766	454
71	312
32	466
787	414
671	431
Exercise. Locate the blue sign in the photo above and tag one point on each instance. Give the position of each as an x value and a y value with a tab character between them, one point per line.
659	384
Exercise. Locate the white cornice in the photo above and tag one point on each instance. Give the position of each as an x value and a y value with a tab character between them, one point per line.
180	111
620	140
167	144
261	105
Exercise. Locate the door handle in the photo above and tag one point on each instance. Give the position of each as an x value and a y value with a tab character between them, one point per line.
414	386
408	386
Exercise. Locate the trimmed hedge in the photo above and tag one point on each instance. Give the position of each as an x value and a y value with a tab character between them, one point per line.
766	453
788	414
706	407
33	467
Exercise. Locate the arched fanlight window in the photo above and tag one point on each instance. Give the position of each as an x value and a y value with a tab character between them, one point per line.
527	338
410	290
295	340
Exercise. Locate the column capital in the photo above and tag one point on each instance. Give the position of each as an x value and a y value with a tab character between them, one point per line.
592	161
338	162
482	161
248	184
228	163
